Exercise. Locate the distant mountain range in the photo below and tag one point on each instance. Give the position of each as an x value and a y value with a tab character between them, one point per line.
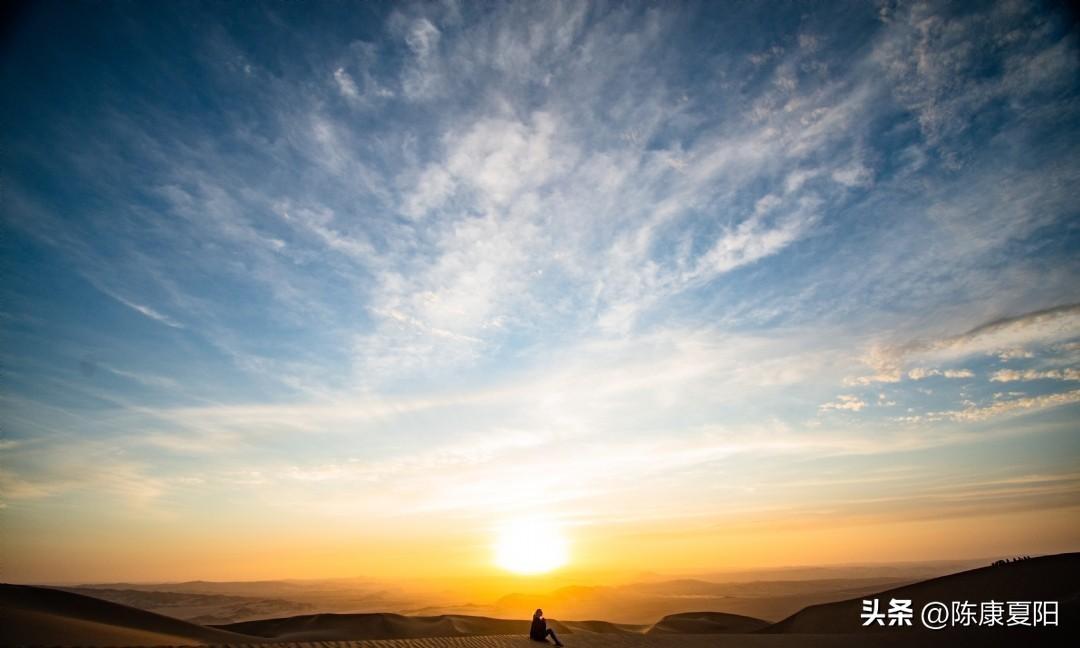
645	602
48	616
770	594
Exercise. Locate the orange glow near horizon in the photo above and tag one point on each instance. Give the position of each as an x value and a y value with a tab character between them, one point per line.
475	559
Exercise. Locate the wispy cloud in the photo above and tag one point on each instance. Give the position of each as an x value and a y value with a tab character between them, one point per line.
1043	327
1013	375
844	402
1001	407
919	373
149	312
346	84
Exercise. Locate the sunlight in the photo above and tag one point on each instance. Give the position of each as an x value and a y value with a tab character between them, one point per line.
530	546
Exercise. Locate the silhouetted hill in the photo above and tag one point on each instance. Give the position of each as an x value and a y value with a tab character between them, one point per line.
602	627
706	623
40	615
1047	578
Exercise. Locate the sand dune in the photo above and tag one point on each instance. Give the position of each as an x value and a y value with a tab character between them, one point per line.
600	626
395	626
43	616
1048	578
706	623
329	627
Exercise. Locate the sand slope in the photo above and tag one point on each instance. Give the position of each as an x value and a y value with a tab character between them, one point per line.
337	627
376	625
706	623
1054	578
39	615
598	626
381	625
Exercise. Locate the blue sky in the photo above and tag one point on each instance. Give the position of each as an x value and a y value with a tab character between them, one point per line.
373	261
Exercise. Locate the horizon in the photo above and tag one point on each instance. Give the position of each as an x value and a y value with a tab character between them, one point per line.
526	292
564	577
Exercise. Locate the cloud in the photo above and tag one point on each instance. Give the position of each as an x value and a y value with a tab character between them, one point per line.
999	408
1013	406
919	373
422	38
1012	375
15	488
148	312
1043	327
81	466
937	62
844	402
142	378
855	175
346	85
495	159
1012	354
423	78
357	77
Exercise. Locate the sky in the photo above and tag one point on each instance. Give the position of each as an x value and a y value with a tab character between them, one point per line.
340	289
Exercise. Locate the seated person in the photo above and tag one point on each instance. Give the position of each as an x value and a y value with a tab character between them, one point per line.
539	630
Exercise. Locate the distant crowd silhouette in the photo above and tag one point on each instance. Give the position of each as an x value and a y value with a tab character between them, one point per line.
1006	561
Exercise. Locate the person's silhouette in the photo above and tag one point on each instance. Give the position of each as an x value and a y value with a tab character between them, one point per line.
539	630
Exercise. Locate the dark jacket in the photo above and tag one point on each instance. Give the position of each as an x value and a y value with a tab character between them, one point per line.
538	630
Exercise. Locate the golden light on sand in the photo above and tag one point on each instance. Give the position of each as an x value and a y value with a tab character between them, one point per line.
530	546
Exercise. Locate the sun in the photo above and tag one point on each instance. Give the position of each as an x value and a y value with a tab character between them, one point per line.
530	546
